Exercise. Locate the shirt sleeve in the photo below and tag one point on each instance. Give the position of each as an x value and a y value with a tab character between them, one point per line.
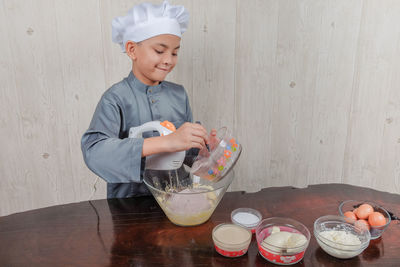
114	159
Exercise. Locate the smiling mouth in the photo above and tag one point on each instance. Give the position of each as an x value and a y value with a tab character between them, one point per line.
166	70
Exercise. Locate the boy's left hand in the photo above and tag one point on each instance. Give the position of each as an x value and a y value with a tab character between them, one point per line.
189	135
212	142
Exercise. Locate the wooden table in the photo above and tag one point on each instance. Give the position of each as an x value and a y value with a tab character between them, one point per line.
135	231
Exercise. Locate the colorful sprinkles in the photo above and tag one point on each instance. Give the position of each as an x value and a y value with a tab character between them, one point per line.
224	159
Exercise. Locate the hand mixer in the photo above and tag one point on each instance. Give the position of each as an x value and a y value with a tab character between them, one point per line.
163	165
161	161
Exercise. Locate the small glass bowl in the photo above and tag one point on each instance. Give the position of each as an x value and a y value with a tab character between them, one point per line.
222	157
376	231
340	223
280	255
224	244
241	221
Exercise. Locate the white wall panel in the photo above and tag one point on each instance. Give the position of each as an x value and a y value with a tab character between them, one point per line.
299	28
214	62
372	151
256	41
80	48
39	103
337	48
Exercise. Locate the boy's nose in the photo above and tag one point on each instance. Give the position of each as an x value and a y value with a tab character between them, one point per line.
167	59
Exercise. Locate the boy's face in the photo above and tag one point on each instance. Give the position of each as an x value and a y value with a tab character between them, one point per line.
154	58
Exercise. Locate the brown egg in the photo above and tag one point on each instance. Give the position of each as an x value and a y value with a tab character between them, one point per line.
376	219
362	223
355	212
351	215
364	211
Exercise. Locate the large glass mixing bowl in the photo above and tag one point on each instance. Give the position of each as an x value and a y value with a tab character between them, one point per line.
186	199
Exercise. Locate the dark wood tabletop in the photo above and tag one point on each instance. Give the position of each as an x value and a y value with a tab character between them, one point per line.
135	231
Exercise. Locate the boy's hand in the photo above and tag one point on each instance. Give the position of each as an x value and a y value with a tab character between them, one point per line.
189	135
213	140
212	143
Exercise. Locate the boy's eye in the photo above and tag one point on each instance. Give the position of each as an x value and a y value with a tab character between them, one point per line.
158	51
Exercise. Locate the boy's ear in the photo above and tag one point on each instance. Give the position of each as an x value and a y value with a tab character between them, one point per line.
130	48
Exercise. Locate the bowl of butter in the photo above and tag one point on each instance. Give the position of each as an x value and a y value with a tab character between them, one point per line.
282	240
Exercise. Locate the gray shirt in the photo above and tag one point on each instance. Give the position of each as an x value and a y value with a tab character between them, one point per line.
106	148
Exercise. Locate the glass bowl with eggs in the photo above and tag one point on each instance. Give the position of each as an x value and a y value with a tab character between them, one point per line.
372	215
340	237
282	241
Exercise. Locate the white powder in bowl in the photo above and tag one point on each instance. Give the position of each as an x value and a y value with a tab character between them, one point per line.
246	218
341	238
340	244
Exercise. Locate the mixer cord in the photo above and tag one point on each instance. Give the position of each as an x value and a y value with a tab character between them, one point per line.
97	214
94	188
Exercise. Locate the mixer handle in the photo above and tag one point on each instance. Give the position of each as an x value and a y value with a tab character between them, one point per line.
164	128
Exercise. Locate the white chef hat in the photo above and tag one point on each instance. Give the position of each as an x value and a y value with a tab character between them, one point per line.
146	20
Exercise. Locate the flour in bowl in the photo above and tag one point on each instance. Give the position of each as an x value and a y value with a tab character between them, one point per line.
340	244
341	239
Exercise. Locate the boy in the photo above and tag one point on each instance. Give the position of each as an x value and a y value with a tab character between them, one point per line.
150	35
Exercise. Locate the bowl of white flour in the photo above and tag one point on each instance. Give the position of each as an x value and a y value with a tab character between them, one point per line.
339	237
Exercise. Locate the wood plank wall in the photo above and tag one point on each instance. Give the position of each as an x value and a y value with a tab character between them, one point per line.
310	88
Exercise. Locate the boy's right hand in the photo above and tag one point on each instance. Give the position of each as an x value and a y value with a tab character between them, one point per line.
189	135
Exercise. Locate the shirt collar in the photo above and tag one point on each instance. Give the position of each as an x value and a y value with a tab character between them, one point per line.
138	85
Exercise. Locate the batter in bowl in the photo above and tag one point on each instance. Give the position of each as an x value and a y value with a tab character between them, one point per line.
191	206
